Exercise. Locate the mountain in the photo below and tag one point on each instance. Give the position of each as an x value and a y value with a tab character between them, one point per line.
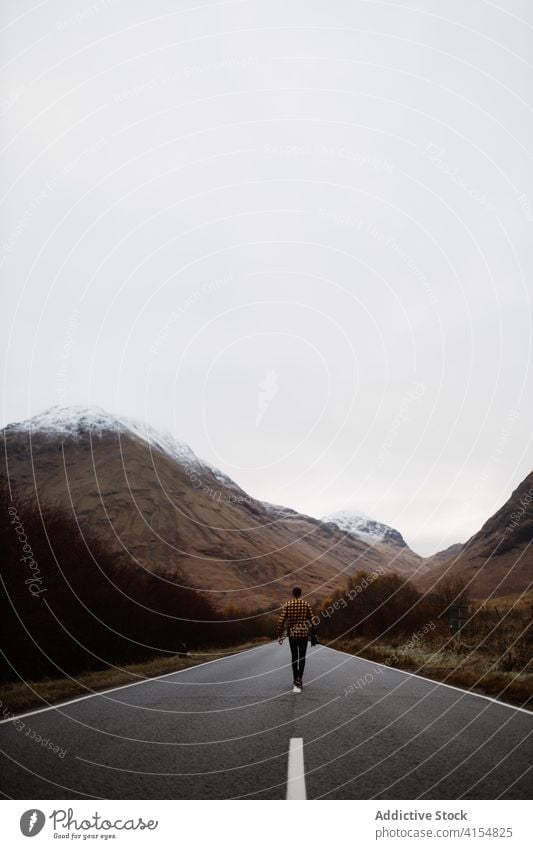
495	561
360	525
153	502
436	561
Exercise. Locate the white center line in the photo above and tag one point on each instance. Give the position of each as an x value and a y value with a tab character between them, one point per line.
296	771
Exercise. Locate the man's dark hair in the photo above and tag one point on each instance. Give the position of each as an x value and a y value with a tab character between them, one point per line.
297	591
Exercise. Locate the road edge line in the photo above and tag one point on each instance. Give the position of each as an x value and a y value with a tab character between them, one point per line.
433	681
124	686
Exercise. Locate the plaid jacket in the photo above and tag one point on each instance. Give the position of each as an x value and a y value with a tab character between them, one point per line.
298	615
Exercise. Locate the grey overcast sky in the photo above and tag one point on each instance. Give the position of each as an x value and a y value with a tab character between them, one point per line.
297	235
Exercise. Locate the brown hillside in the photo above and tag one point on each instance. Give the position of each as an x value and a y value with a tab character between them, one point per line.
498	559
158	504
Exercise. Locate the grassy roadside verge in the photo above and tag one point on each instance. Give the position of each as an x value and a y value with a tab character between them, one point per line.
19	697
478	673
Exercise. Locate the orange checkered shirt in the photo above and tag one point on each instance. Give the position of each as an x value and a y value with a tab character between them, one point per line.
298	615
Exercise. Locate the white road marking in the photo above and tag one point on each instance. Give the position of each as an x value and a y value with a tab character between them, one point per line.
434	681
296	771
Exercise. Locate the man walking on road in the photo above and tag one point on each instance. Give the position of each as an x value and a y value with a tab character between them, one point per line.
298	615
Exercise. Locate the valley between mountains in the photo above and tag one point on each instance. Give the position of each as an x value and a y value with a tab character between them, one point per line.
150	500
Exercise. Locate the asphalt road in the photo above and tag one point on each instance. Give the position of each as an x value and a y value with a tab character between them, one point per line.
224	729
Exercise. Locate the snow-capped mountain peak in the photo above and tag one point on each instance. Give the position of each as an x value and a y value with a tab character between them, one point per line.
362	526
76	421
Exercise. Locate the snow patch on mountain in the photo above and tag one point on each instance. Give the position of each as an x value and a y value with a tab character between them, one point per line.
362	526
77	421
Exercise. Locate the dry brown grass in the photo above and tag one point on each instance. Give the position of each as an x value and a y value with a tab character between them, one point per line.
19	697
517	601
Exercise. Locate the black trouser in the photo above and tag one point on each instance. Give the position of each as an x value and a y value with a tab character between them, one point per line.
298	649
